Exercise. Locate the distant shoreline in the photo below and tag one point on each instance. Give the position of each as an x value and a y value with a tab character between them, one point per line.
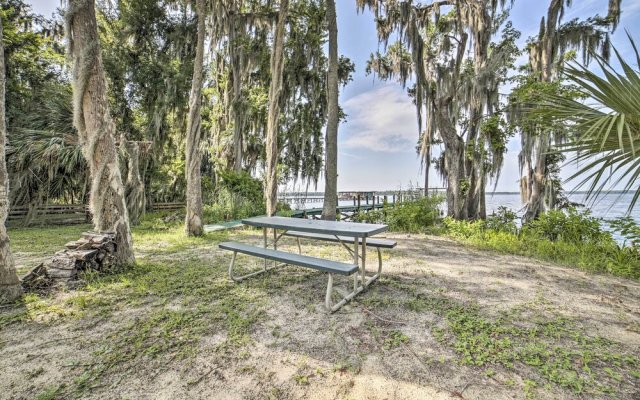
316	194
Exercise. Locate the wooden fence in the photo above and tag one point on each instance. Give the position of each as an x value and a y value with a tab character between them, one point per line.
156	207
67	214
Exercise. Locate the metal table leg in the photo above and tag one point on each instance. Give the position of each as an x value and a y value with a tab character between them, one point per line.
264	235
364	259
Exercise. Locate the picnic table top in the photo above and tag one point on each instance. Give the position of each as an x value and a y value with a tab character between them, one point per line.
352	229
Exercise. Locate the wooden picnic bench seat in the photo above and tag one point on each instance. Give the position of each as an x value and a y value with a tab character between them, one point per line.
323	265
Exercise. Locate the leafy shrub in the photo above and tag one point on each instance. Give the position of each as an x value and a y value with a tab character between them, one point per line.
462	229
572	238
569	225
232	206
503	220
409	216
237	195
242	184
283	206
629	229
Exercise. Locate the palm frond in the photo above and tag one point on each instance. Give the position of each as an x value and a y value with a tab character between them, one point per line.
605	127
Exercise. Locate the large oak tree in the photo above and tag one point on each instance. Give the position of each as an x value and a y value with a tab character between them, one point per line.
10	288
331	140
95	127
193	223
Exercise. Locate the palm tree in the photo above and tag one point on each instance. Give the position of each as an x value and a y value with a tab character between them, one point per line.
606	126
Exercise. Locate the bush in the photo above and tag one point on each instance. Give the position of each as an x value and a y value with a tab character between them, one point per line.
571	226
242	184
571	238
629	229
504	220
237	195
232	206
410	216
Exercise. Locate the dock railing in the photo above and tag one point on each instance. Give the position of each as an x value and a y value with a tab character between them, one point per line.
303	202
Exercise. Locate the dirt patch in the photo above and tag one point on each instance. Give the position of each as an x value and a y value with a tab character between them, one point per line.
445	321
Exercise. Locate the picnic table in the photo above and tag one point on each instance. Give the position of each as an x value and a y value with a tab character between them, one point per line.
354	237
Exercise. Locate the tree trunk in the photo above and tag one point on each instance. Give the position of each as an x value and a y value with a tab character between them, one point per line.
535	172
427	167
457	182
277	66
331	141
193	223
134	189
536	180
454	156
96	130
237	102
10	288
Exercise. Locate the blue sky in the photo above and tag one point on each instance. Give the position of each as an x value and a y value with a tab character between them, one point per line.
377	142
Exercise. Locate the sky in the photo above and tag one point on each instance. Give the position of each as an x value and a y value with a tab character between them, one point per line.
378	139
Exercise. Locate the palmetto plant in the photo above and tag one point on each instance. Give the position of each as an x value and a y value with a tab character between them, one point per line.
605	127
44	159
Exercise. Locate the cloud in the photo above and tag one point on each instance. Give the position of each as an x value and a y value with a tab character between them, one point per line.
382	119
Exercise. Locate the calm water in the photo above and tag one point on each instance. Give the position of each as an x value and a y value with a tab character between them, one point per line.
608	206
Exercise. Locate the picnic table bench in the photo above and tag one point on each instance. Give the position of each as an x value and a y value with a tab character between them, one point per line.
346	233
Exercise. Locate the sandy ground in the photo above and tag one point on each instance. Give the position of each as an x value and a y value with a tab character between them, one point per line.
298	351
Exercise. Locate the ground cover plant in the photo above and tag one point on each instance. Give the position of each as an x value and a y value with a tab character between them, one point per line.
444	321
570	237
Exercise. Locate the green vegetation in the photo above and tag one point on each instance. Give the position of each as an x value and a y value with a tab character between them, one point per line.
605	133
568	237
237	196
526	337
160	311
177	305
410	216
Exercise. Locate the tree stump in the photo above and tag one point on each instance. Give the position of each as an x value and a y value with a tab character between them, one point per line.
92	252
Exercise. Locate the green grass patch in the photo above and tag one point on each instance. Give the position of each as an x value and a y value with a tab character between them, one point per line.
569	238
45	241
154	312
532	335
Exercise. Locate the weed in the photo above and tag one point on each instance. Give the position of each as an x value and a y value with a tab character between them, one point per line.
395	339
555	347
50	393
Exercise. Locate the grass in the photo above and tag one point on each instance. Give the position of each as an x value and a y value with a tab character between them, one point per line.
160	311
178	304
600	254
533	335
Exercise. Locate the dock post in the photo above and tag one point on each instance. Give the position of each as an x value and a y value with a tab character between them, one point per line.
366	198
358	201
